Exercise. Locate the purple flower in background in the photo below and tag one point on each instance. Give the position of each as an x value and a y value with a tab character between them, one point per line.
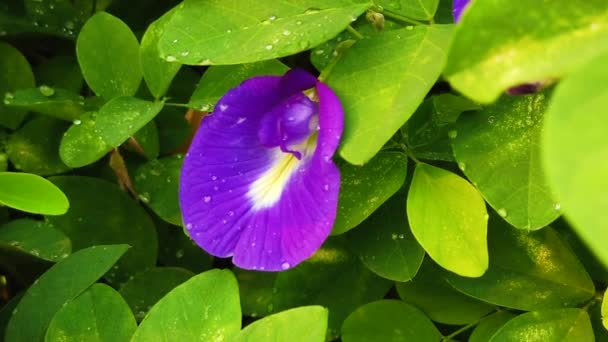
258	182
457	7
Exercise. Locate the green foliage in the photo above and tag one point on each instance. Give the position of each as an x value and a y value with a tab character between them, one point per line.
466	245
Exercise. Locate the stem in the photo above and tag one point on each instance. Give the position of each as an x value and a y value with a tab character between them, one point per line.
469	326
396	16
171	104
409	153
354	32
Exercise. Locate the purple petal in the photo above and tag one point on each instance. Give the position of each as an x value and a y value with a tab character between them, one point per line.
241	198
458	6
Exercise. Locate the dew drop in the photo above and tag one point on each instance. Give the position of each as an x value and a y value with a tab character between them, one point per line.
269	47
240	120
223	107
502	212
185	53
286	32
394	236
46	90
272	18
462	166
179	253
213	177
409	28
285	265
207	199
326	187
69	25
453	134
77	122
557	206
170	58
491	120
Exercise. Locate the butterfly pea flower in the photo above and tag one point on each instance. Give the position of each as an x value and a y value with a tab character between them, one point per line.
458	7
258	183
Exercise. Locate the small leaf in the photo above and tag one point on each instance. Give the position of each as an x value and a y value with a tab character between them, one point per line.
157	72
82	144
15	73
375	106
157	184
504	43
566	325
204	308
448	218
59	103
440	301
35	147
222	31
102	214
60	284
414	9
364	188
108	54
146	288
98	314
304	324
385	243
574	149
35	238
31	193
121	117
388	320
489	325
528	271
217	80
504	139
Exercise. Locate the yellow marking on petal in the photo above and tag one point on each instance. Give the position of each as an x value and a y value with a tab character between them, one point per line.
267	190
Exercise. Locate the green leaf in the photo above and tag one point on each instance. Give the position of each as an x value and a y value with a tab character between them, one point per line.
146	288
59	285
6	311
351	285
364	188
528	271
15	73
60	72
414	9
157	72
385	243
484	331
562	325
441	302
157	184
102	214
504	43
448	218
35	147
574	145
121	117
597	321
31	193
504	139
305	324
98	314
108	54
204	308
375	106
605	311
59	103
82	144
220	32
217	80
388	320
146	141
35	238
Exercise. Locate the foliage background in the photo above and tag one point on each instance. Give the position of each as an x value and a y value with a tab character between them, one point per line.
464	213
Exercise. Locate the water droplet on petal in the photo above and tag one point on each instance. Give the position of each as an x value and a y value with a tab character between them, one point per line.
207	199
285	265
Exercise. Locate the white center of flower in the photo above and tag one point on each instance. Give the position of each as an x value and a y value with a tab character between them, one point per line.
266	191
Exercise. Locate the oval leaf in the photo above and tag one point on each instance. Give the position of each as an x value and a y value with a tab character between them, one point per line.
528	271
108	54
448	218
82	144
504	139
204	308
35	238
31	193
364	188
305	324
146	288
375	106
60	284
385	243
101	214
388	320
504	43
98	314
484	331
224	30
575	163
564	325
58	103
16	73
